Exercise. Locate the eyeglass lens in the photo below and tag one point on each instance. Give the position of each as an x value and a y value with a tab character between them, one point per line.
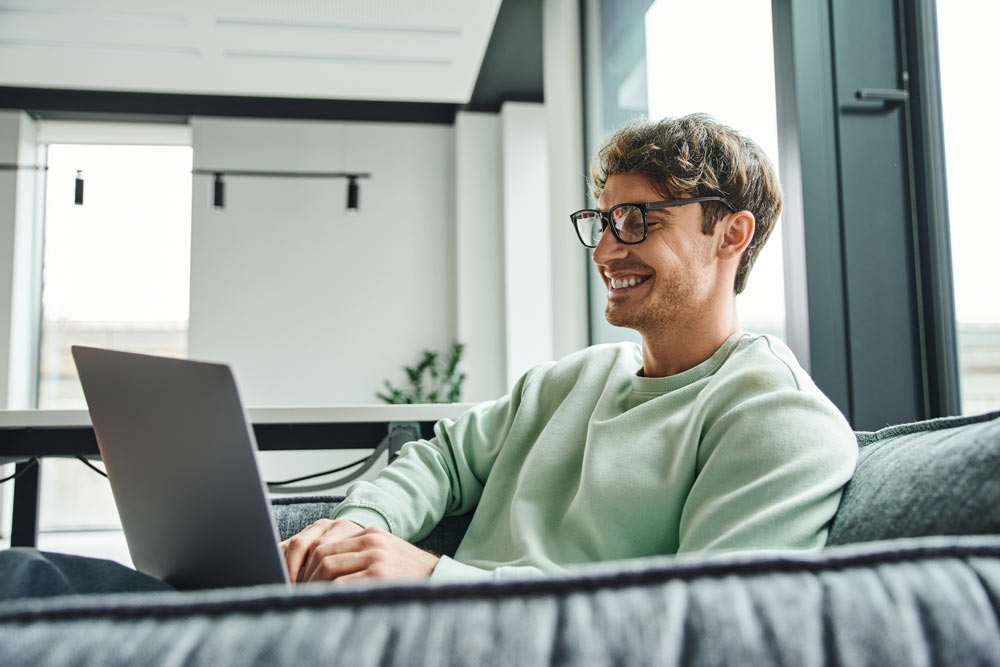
627	221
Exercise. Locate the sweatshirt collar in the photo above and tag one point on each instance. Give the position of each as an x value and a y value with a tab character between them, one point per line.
645	385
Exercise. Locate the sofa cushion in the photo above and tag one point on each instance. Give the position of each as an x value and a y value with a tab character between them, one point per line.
936	477
292	515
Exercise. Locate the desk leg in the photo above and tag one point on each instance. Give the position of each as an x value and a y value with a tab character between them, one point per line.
24	526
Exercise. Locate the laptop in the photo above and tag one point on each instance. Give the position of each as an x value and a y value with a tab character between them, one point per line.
181	459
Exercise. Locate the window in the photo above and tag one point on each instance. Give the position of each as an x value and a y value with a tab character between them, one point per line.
116	269
971	142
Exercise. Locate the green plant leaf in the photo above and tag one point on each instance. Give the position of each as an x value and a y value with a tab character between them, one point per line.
435	378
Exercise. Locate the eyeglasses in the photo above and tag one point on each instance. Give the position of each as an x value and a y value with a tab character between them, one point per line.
628	221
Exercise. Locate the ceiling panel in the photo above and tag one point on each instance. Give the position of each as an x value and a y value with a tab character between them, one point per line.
389	50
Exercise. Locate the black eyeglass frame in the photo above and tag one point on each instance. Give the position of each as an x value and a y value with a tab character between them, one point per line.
607	216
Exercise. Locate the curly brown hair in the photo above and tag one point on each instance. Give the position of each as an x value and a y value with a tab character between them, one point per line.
696	156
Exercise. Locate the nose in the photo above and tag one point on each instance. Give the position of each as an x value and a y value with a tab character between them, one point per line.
609	247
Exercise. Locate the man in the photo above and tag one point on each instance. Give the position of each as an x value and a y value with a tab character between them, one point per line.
704	438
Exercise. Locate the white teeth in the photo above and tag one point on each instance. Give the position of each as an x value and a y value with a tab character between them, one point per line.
625	282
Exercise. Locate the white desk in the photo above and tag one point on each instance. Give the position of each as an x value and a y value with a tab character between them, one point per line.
338	414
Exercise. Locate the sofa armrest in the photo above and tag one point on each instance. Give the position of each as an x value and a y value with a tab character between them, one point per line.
919	601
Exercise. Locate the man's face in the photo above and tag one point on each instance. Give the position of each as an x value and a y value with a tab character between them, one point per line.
674	269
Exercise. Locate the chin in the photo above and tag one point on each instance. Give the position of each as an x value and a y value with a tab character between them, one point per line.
617	318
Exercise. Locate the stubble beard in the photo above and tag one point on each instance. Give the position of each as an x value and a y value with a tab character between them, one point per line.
665	308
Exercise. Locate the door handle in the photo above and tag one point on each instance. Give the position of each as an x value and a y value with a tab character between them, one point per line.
888	96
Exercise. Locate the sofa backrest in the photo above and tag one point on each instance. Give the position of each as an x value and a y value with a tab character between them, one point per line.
936	477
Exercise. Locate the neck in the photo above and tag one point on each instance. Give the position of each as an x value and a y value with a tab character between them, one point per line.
673	350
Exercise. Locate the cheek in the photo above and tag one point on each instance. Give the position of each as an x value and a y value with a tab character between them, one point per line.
699	252
672	255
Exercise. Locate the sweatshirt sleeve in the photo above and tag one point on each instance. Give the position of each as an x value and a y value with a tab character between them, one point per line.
449	570
434	478
771	470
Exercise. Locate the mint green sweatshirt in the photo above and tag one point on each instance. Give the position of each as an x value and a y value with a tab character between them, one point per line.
585	461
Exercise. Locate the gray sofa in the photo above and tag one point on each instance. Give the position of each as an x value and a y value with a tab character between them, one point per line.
911	577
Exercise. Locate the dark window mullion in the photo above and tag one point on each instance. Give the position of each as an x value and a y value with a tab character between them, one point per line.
930	200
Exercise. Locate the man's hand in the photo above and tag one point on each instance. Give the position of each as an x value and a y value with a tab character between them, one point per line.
341	550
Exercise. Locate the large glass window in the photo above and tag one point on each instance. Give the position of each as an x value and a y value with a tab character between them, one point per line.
971	145
116	273
674	57
117	268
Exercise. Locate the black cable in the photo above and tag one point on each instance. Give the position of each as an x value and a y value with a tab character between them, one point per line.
34	462
321	474
31	464
287	481
92	467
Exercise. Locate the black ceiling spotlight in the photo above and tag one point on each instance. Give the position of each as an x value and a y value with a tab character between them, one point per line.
219	192
352	193
78	195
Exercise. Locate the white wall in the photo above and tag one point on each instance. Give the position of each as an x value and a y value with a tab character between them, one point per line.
527	238
479	237
457	239
310	304
521	272
562	77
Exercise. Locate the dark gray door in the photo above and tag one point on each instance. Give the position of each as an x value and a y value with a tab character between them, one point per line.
883	326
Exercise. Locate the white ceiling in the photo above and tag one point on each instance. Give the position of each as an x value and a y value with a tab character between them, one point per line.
391	50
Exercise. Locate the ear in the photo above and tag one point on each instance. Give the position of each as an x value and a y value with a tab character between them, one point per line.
737	232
